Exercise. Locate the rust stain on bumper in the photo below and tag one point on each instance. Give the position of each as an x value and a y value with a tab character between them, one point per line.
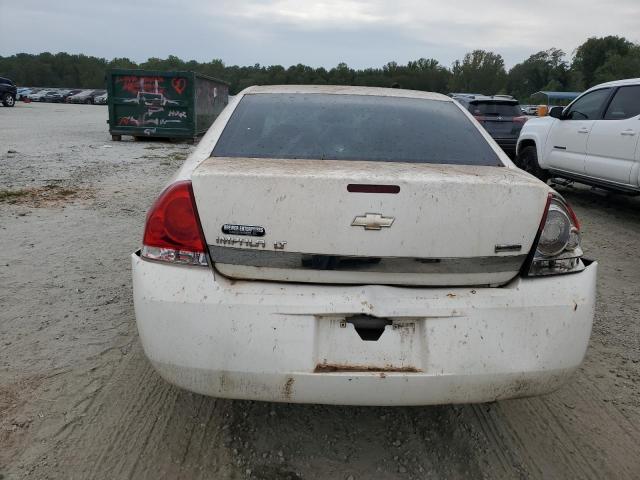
334	367
287	390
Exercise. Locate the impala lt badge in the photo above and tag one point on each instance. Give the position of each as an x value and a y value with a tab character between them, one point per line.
241	242
372	221
279	245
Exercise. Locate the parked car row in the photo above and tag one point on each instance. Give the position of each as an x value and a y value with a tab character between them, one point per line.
60	95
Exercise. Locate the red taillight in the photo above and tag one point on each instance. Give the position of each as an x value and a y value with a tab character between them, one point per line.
546	211
172	231
573	216
479	118
522	119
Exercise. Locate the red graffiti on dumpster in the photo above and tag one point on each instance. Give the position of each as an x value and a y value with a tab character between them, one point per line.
134	84
179	84
128	121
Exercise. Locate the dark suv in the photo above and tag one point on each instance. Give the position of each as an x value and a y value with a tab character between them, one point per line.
8	92
500	115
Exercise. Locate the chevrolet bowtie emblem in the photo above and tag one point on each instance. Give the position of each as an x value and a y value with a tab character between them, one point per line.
372	221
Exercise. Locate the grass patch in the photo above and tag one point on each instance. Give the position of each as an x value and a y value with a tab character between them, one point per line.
45	196
177	156
8	195
167	158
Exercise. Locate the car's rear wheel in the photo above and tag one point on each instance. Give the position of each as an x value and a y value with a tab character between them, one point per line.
8	100
527	160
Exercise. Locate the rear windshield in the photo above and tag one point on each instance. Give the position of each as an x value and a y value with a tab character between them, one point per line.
495	109
353	127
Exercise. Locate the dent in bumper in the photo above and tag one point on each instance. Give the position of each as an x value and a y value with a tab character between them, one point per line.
264	341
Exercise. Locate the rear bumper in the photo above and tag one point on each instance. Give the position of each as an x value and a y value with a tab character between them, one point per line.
288	342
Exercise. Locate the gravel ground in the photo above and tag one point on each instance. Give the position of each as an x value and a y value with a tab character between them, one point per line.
79	400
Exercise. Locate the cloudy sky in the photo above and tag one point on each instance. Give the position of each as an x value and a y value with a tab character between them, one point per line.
319	33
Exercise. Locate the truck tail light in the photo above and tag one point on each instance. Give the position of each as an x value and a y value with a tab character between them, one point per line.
172	232
522	119
556	248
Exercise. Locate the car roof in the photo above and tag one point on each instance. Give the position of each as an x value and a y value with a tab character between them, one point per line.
617	83
487	99
346	90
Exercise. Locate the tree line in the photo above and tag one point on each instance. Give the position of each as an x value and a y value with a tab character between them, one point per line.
596	60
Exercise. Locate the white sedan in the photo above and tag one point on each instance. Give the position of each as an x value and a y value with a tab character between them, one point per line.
364	246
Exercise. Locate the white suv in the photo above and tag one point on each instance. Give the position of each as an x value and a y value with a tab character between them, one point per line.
594	140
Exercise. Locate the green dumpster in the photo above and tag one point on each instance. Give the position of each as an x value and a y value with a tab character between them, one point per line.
176	105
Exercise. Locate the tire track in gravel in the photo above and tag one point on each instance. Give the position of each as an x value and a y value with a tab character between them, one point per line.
501	442
142	427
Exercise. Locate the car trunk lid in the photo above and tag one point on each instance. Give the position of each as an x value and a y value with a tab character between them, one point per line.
310	221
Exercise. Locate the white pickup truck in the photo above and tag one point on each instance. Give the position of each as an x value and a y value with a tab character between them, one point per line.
594	140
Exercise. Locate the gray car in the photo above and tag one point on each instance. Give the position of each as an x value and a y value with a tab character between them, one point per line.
500	115
86	96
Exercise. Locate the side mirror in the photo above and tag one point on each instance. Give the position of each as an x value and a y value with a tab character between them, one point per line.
556	112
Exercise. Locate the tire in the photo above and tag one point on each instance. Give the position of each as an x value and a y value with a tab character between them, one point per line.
88	101
8	100
527	160
116	138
